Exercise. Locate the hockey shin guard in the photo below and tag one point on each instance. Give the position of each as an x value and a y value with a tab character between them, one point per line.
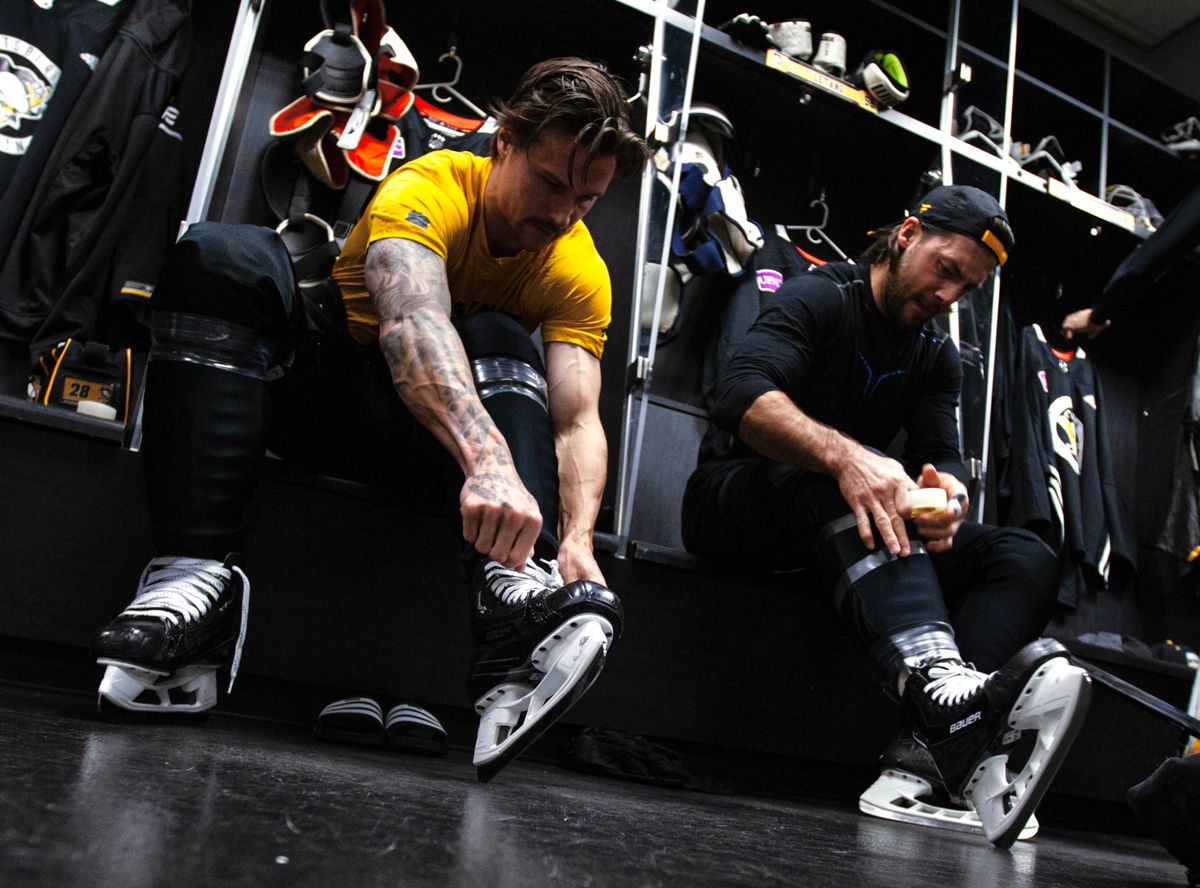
204	430
510	379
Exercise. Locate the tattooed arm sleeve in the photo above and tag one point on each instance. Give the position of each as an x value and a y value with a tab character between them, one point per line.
430	370
431	373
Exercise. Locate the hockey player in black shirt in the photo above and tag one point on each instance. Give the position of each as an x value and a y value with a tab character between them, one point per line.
838	363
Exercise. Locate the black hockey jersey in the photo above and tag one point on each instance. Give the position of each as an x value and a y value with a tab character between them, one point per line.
1061	470
115	165
47	55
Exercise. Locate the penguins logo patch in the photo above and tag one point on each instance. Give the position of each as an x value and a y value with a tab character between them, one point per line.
27	82
1067	431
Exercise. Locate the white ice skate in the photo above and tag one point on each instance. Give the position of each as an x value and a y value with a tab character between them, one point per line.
162	653
539	646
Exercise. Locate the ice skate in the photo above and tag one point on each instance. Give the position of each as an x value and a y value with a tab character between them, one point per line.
910	790
972	724
162	653
539	645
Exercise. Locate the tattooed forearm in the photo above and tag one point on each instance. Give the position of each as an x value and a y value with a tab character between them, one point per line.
430	370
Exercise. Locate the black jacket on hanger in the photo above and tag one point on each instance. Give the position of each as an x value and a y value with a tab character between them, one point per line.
95	203
50	54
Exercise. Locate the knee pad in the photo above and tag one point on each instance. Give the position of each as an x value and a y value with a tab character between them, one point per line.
503	357
226	299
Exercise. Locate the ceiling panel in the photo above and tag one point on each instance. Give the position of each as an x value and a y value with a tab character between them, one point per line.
1145	23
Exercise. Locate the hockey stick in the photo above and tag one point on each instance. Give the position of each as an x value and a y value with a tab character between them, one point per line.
1146	700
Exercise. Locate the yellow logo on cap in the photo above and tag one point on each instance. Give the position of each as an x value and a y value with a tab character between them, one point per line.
993	243
925	207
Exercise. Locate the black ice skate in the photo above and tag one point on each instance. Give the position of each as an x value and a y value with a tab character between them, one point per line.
539	645
971	723
163	651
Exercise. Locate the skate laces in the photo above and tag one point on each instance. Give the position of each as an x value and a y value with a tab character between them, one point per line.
514	586
182	590
952	683
179	590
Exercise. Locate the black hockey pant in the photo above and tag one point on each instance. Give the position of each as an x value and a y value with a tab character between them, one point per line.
995	587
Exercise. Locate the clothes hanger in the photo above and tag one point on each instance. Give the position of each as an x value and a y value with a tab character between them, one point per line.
444	91
816	233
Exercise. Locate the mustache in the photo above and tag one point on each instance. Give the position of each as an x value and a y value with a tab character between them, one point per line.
548	227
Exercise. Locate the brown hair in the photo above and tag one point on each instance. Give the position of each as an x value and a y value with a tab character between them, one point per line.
580	98
885	250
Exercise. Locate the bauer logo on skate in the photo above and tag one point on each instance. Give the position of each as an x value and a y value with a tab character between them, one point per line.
969	720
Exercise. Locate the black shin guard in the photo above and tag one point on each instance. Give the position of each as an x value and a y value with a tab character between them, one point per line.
510	379
882	595
224	311
202	443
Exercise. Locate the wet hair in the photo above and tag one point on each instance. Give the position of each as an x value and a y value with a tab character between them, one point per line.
885	250
580	98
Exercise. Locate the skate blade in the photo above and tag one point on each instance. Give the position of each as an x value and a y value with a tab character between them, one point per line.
1053	703
513	716
900	796
130	690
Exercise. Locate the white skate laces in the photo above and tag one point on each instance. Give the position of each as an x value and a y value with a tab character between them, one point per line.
182	590
513	587
952	682
178	590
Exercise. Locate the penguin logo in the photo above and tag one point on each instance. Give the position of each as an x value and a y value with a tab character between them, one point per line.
1067	432
27	82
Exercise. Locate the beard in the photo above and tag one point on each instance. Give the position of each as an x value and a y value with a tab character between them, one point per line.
899	301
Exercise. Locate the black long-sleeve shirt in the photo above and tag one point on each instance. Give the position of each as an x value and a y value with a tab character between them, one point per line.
823	342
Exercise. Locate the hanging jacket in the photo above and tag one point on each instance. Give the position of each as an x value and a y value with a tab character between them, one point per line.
58	275
47	56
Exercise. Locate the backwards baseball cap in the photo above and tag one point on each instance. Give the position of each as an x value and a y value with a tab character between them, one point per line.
965	209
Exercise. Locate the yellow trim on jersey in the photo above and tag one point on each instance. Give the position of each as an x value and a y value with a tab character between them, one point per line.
437	200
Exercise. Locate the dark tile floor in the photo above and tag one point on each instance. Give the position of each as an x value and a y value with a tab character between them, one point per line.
234	802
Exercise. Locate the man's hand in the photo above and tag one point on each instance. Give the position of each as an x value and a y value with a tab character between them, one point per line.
577	562
501	519
1081	322
876	489
937	529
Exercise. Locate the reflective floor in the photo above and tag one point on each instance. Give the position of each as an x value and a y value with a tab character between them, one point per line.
234	802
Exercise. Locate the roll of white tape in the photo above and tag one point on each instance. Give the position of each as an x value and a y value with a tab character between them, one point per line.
926	500
96	409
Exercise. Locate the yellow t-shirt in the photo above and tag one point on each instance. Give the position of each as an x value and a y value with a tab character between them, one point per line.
437	200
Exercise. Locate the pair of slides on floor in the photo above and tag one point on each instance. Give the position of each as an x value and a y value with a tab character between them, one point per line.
362	721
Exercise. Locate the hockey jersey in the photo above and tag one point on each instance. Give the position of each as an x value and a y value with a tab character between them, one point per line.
48	52
87	229
1061	471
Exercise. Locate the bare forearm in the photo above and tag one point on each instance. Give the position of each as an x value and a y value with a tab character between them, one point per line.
432	375
873	486
775	427
582	466
429	368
